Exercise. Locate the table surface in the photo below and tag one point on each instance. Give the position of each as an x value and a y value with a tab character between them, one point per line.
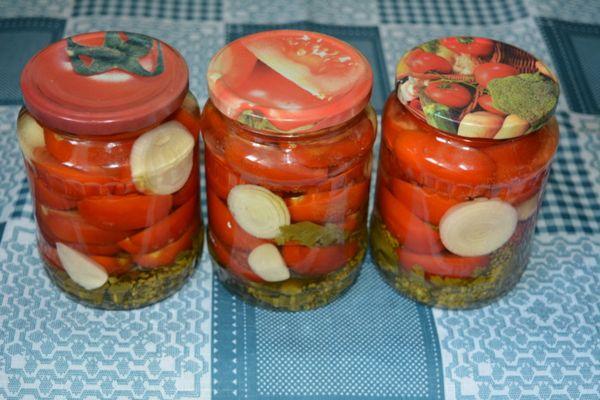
540	341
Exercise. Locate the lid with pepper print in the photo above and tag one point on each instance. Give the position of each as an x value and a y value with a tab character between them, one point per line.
476	87
103	83
289	81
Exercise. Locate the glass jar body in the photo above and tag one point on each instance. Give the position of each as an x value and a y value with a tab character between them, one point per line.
454	217
318	182
111	233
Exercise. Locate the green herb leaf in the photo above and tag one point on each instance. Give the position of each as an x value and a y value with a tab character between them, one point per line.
438	115
310	234
532	97
116	53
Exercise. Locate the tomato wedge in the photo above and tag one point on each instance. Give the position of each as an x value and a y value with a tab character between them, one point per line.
125	213
45	196
111	155
219	176
114	265
77	183
316	261
519	159
223	226
321	207
49	253
169	253
189	120
360	171
235	262
164	231
95	249
410	231
443	158
191	187
448	265
261	163
68	226
425	204
352	145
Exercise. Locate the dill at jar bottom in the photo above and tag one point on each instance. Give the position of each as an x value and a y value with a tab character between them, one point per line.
506	266
295	294
136	288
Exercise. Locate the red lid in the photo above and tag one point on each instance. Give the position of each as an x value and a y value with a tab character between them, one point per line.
289	81
477	87
103	83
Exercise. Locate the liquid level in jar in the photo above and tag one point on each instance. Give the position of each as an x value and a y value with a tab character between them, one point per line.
118	221
454	218
287	219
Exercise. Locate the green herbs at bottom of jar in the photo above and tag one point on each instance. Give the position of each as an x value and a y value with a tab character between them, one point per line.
136	288
485	285
294	294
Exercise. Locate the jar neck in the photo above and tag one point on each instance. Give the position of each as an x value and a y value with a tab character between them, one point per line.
262	135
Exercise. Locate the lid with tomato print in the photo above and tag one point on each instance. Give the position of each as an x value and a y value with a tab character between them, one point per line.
289	81
103	83
476	87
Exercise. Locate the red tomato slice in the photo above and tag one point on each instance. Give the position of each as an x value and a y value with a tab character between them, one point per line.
44	195
474	46
424	155
114	266
223	226
352	145
486	72
359	172
235	262
425	204
125	213
164	231
169	253
519	159
410	231
447	265
49	253
76	183
191	187
353	222
83	152
420	61
317	261
321	207
449	94
268	164
485	102
218	175
68	226
189	120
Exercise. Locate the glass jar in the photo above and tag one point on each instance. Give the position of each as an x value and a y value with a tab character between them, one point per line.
468	138
109	135
288	134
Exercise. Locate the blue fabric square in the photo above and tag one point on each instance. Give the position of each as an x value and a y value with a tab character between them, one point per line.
577	64
362	345
453	12
20	39
204	10
570	204
365	39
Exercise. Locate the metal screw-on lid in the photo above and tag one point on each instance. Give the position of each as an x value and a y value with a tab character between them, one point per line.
289	81
476	87
103	83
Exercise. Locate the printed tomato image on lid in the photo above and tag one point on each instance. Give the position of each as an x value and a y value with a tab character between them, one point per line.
289	81
477	87
103	83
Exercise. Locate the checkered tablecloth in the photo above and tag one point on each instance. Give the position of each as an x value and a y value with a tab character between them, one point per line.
542	340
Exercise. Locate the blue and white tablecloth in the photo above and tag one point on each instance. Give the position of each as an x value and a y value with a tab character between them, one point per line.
540	341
